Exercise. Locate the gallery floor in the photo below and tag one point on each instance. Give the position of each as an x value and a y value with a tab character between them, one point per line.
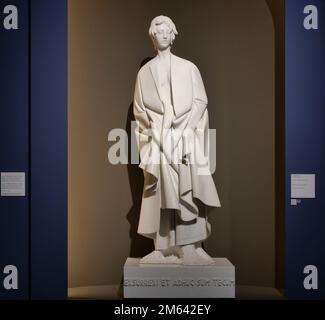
116	292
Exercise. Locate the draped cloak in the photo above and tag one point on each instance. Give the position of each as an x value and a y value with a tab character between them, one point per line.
163	160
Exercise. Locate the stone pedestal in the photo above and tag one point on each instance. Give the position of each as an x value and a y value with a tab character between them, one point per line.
179	281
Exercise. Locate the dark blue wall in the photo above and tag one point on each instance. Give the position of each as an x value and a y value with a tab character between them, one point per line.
14	137
304	146
49	149
33	139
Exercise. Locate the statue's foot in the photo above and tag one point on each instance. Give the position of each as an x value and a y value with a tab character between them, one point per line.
204	255
157	257
194	257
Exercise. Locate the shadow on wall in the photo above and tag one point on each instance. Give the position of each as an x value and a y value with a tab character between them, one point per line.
140	246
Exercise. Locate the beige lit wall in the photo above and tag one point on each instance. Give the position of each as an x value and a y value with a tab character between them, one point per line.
232	43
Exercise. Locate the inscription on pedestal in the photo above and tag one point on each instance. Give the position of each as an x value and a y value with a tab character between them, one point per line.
167	281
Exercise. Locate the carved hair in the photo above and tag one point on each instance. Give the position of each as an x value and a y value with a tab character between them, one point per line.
157	21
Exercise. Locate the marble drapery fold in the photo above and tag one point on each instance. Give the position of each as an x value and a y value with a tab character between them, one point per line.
175	160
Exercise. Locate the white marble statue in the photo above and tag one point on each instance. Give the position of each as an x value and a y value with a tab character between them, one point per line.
170	108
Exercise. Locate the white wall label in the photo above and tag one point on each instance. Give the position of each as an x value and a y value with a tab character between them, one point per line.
303	186
295	202
13	184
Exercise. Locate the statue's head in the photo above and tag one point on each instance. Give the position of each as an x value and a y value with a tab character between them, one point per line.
162	32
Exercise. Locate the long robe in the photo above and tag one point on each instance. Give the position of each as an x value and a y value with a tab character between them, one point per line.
175	162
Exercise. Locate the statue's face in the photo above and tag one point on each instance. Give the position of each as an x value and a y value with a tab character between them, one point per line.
163	37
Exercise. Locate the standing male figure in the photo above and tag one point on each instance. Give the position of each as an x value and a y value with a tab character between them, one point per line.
170	107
